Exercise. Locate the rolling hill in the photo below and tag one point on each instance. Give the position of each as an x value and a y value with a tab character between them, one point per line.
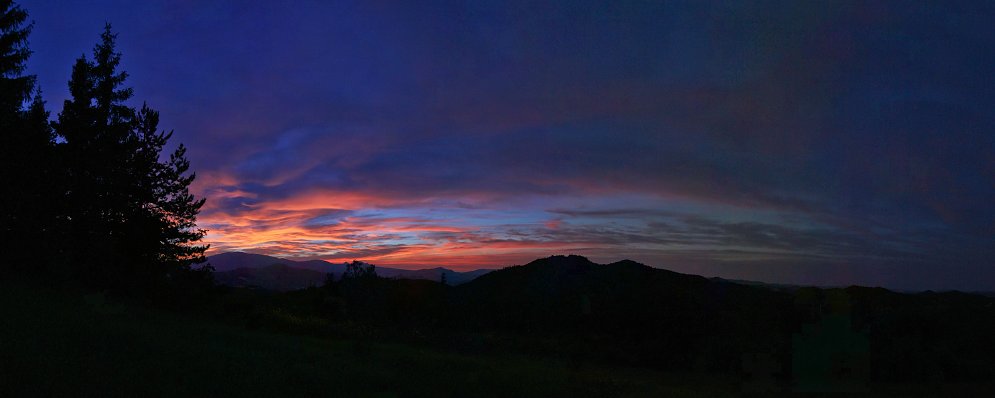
657	317
273	273
278	277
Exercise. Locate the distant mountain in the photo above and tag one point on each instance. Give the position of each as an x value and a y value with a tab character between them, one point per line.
570	290
434	274
772	286
234	260
561	276
653	316
236	268
277	277
633	313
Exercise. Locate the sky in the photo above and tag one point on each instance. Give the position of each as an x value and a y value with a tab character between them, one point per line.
795	142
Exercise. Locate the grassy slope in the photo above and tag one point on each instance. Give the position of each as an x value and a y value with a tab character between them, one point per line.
70	344
55	343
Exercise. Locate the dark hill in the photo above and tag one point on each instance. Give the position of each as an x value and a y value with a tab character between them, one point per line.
555	280
432	274
246	263
276	277
234	260
662	318
632	313
555	275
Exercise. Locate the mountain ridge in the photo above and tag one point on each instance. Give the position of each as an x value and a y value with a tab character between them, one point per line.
237	268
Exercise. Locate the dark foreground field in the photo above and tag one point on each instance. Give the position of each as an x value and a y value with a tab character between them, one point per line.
57	343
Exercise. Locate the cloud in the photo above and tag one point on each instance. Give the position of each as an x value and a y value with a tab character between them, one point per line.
815	136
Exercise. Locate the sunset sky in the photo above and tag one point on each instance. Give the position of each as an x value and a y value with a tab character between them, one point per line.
798	143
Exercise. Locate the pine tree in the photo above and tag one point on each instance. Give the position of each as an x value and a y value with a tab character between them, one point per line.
96	127
166	211
15	88
27	215
131	213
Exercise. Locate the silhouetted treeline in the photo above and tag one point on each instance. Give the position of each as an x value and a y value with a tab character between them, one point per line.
805	339
90	197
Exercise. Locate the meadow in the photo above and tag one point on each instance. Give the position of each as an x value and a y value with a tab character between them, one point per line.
57	343
69	342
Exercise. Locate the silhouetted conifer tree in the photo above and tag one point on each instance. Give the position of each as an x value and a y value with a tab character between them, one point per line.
358	270
26	143
15	88
165	214
131	214
96	127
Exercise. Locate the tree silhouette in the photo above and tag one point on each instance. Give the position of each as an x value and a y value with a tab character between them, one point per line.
131	215
15	88
164	216
358	270
27	216
96	127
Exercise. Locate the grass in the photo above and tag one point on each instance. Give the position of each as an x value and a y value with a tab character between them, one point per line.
73	344
57	343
